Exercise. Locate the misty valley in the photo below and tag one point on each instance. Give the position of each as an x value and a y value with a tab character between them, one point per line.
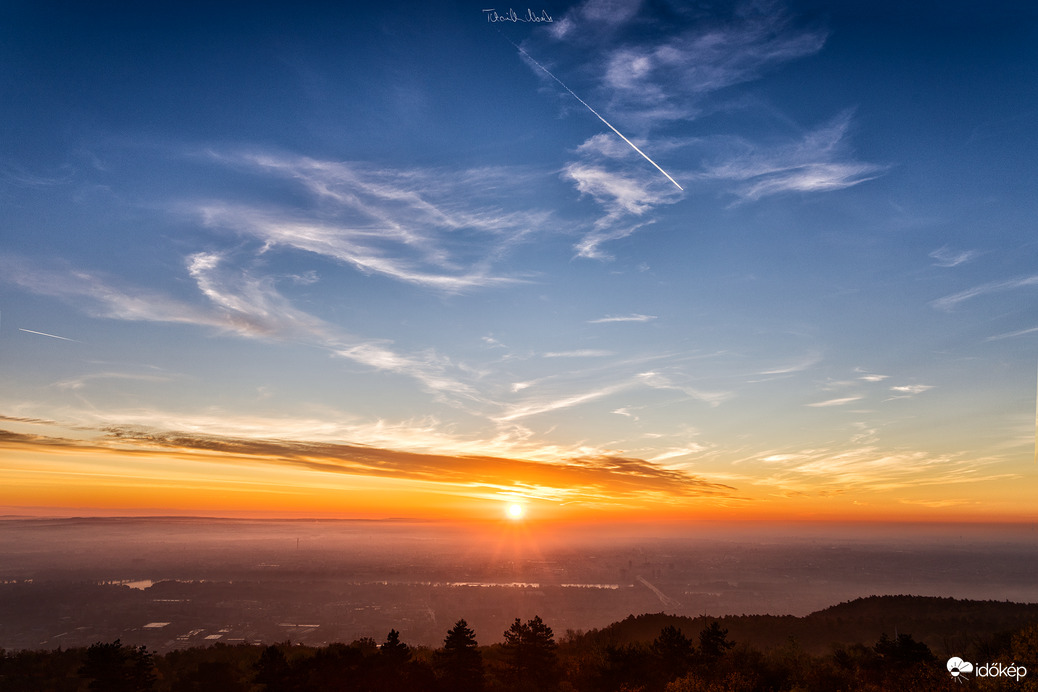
172	583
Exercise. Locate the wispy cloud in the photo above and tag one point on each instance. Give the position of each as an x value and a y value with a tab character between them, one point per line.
624	197
817	162
780	177
946	257
252	306
621	194
1009	335
652	79
873	468
590	245
82	381
431	370
238	303
937	504
634	147
908	391
866	435
18	175
23	419
263	311
427	434
677	452
836	402
665	78
911	388
103	296
596	16
601	379
363	250
578	479
951	301
237	297
805	363
658	380
533	407
411	225
635	317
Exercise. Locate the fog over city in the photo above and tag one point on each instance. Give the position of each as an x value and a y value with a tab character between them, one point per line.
179	582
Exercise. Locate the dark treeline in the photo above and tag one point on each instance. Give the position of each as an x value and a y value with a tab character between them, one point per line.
648	653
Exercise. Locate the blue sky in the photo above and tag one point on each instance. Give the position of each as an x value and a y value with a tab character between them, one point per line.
387	226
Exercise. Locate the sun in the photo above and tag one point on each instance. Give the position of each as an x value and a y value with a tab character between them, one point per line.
516	511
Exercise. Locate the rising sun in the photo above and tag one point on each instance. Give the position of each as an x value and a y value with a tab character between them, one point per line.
516	511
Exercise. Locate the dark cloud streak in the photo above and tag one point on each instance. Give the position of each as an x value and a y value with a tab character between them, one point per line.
614	476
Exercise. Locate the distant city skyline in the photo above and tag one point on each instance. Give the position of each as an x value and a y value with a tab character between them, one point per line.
385	261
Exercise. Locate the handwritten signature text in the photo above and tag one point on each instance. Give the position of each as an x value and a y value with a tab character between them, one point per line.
511	16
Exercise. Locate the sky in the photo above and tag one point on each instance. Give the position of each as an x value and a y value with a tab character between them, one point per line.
633	260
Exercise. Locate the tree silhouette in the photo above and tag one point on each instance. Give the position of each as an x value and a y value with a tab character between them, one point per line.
337	667
392	660
673	653
395	669
713	642
531	652
117	668
459	664
393	650
903	650
210	676
626	667
273	671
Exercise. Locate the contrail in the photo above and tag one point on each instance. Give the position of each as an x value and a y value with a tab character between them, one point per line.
596	113
53	336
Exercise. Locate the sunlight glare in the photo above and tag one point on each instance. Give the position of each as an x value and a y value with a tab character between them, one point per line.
515	511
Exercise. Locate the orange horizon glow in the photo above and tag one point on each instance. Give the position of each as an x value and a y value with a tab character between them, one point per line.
217	477
365	498
99	498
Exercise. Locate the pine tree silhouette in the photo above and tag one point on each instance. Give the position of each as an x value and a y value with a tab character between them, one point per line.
531	651
459	664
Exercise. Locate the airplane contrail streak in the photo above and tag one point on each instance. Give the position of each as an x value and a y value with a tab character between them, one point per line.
596	114
53	336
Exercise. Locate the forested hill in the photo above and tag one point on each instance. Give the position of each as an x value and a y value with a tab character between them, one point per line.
876	644
944	624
